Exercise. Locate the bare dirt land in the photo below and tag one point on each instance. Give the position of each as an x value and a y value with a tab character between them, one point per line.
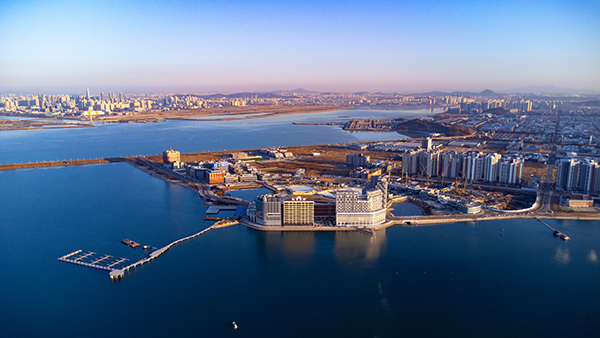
31	124
224	114
204	114
530	169
330	161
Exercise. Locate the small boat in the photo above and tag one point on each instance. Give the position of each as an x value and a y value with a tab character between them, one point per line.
235	327
146	247
130	243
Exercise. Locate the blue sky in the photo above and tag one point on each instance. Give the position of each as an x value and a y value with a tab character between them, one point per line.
227	46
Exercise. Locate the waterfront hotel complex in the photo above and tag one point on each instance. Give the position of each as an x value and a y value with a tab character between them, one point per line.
352	208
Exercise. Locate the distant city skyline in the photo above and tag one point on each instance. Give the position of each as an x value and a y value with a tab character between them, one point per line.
208	47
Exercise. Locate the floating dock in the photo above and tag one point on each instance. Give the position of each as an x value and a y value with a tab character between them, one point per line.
105	262
214	209
101	263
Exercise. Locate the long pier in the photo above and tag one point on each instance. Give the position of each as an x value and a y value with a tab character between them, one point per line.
555	232
116	274
544	223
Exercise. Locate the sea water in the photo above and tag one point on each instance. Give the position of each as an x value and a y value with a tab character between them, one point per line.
461	280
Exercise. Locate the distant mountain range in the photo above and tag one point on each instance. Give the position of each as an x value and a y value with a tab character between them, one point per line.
547	90
485	93
533	89
270	95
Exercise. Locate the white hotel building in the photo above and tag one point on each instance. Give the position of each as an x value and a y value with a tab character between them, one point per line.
356	209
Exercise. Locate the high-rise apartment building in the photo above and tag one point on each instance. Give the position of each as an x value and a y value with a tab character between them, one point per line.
410	162
428	163
567	175
426	143
358	160
473	165
510	170
490	167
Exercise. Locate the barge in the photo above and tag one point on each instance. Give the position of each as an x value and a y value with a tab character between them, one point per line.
130	243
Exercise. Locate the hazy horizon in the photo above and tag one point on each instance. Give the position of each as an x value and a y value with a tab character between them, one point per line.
97	92
325	46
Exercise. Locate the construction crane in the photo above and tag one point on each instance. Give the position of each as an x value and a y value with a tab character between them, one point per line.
408	169
428	174
444	172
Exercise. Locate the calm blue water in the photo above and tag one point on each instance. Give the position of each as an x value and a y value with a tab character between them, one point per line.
406	209
458	280
127	139
453	280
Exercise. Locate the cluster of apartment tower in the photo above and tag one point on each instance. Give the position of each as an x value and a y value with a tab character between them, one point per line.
353	207
472	166
578	174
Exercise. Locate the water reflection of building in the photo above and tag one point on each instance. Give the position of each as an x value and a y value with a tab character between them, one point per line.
353	245
562	255
293	243
299	243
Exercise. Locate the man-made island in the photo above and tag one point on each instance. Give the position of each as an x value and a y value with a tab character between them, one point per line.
330	187
356	186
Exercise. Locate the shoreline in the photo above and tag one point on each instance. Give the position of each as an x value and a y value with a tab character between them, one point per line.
403	221
201	114
417	223
204	114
